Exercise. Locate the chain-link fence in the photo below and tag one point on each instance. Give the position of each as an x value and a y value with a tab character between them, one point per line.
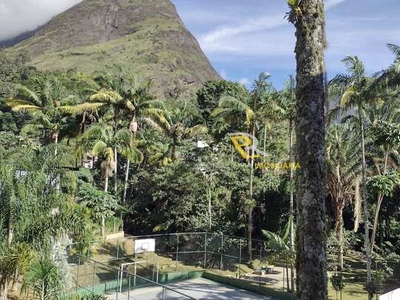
92	277
206	250
104	267
97	266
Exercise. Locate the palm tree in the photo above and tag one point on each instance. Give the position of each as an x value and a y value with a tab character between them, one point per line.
311	96
175	128
43	279
116	103
236	111
343	176
44	105
285	109
390	77
355	92
19	258
7	199
282	244
132	154
121	95
106	144
386	136
101	203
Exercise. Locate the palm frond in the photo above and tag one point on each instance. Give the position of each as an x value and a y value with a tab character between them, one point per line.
196	130
123	136
348	96
354	65
83	107
394	48
21	105
106	96
28	94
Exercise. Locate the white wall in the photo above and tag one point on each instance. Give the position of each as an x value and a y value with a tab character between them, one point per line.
393	295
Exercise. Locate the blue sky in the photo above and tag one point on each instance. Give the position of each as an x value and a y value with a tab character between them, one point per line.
244	38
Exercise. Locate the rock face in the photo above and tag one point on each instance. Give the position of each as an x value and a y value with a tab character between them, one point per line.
146	37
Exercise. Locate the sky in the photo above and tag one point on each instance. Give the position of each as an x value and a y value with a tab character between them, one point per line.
243	38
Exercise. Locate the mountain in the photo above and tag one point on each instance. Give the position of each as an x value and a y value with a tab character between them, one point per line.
19	38
146	37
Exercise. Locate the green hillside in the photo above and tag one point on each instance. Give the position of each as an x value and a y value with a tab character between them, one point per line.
146	37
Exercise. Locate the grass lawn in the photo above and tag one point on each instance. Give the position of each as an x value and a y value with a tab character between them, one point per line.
351	291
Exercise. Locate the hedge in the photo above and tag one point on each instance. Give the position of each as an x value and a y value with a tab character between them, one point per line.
249	286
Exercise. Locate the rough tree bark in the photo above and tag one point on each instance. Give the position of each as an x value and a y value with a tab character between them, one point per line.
310	136
291	176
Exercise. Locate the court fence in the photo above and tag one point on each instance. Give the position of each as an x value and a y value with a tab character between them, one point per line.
114	267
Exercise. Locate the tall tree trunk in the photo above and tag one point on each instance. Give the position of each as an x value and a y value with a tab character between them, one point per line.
5	289
291	208
366	205
106	184
43	291
103	221
103	227
126	184
339	231
265	138
56	143
209	196
250	204
378	206
115	172
376	220
287	274
357	205
10	233
310	137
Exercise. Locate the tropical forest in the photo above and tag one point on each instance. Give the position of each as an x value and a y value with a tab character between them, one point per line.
286	192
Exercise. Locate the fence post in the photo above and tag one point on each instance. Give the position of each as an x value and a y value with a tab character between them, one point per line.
240	254
177	252
158	265
77	275
205	250
134	278
222	251
94	274
119	283
163	293
120	278
117	248
260	265
129	286
86	273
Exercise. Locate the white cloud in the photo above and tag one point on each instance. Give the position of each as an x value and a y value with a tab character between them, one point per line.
332	3
223	74
214	37
234	37
3	9
17	16
244	81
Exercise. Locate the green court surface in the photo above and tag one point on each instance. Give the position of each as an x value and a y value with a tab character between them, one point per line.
199	288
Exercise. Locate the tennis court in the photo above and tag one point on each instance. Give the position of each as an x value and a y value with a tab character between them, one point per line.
199	288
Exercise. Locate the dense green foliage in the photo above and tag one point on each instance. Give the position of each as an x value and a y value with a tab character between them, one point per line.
65	136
